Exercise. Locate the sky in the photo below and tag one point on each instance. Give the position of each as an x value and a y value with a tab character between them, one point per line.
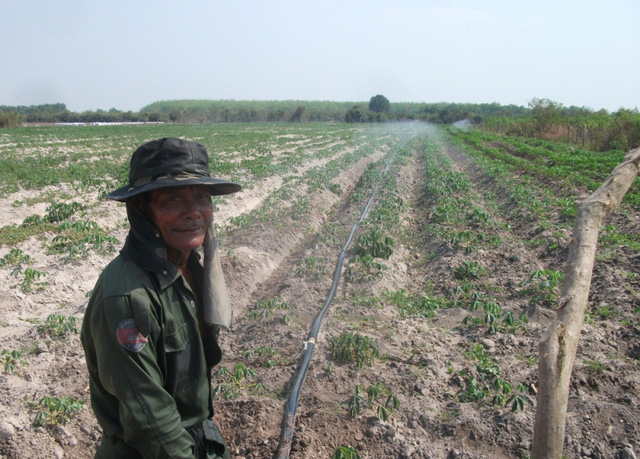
125	54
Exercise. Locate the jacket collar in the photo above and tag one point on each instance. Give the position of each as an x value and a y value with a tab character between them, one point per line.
146	248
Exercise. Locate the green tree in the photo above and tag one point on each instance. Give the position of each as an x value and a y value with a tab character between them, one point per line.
9	119
296	117
545	112
379	104
355	115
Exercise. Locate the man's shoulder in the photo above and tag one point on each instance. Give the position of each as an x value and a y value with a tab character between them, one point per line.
121	277
122	293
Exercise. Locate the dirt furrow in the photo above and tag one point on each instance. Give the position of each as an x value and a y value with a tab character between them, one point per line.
437	384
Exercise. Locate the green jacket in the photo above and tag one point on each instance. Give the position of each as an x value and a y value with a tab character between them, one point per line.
149	367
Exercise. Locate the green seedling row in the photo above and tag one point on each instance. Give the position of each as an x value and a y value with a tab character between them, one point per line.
557	163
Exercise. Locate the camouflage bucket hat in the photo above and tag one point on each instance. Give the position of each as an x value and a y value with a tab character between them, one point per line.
170	162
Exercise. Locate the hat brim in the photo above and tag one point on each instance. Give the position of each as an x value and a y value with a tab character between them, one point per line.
217	187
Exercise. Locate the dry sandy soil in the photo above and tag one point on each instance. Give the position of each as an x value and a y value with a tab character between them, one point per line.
420	358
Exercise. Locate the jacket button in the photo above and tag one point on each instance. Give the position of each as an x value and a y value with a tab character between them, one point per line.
165	273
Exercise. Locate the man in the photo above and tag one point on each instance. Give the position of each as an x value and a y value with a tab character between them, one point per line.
150	329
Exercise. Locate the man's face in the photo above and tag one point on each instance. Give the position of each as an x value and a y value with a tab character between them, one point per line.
181	214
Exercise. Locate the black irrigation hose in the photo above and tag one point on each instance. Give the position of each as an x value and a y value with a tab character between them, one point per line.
289	420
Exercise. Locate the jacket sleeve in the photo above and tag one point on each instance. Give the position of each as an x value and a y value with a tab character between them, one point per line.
128	369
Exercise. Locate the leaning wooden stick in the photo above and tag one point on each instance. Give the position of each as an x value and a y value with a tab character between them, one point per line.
558	346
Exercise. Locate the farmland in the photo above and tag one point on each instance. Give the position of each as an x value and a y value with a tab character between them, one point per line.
429	348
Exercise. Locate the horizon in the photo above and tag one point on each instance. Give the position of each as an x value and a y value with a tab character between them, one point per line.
303	101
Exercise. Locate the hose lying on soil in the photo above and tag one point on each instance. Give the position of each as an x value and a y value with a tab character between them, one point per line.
289	419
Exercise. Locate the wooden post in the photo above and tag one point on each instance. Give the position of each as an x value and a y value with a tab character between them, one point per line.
558	346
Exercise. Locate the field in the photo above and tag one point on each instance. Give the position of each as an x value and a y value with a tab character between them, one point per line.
429	348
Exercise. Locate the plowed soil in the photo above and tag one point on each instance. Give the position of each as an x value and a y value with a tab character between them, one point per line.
279	271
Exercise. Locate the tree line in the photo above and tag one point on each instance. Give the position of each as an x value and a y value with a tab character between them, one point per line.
58	113
542	118
594	130
378	109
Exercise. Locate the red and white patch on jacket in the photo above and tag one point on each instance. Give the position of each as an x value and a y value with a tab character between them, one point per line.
129	337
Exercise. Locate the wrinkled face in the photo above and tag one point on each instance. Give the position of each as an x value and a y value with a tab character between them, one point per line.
181	214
